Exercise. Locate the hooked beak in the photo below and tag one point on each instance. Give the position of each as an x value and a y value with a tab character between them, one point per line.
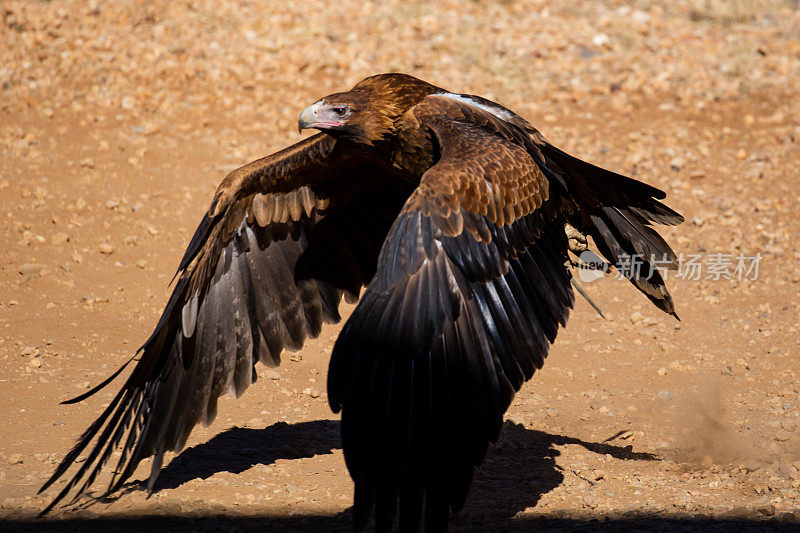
319	116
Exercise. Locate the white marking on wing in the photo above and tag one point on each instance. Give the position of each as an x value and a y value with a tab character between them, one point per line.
496	111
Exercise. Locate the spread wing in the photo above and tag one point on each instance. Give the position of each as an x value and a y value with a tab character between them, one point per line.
470	290
285	237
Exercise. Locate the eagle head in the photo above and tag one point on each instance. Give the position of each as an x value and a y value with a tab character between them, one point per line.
328	114
352	115
370	111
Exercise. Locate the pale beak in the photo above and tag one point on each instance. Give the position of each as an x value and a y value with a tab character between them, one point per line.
318	116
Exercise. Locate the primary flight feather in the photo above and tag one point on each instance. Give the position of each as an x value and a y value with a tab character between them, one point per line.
451	210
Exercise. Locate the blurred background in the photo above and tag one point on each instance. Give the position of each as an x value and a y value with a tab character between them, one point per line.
260	61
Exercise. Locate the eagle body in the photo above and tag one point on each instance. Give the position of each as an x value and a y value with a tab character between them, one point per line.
445	217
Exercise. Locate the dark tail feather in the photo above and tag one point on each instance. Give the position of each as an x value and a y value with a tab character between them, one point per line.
612	189
617	212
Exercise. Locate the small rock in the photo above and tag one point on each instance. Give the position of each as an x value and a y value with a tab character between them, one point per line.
697	174
32	268
57	239
625	435
664	395
767	510
15	459
782	435
29	351
662	371
272	374
677	163
106	248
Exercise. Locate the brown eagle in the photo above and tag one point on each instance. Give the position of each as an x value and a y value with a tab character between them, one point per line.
453	212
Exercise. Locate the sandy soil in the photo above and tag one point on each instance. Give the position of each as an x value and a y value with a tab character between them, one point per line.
117	122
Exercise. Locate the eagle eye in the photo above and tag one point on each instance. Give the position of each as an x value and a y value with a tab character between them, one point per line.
340	110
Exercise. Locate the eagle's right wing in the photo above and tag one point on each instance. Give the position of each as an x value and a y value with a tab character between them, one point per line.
285	237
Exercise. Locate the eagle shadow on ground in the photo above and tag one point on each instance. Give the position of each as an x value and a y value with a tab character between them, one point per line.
238	449
517	471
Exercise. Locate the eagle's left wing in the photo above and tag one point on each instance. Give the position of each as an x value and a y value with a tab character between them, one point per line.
285	238
469	293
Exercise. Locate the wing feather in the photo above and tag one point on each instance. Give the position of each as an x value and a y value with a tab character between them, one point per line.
266	267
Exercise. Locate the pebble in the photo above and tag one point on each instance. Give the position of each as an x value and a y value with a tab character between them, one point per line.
311	392
15	459
57	239
766	510
32	268
677	163
29	351
106	248
664	395
697	174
